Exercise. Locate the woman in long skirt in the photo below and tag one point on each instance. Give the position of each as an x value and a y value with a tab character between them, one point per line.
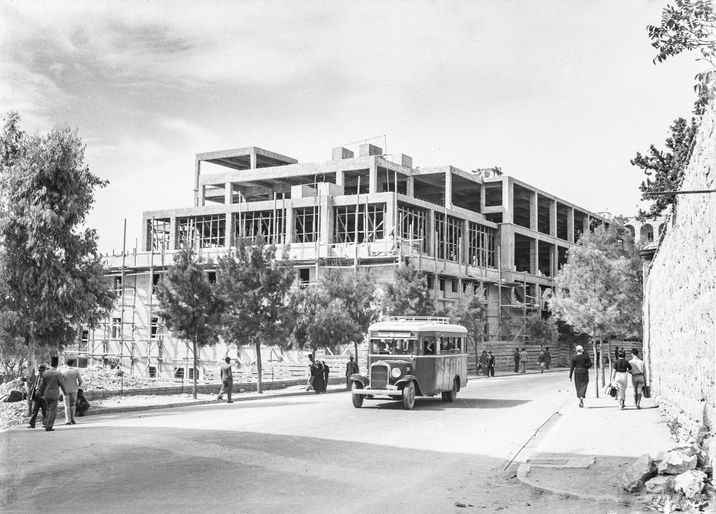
620	376
580	369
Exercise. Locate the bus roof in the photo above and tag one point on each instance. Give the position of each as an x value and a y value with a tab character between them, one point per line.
417	323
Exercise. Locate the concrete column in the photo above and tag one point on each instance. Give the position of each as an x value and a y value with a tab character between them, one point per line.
290	220
553	261
252	159
229	235
570	225
482	197
146	234
534	211
508	200
448	189
202	196
389	220
325	208
507	248
197	172
373	176
173	233
533	256
410	186
553	218
341	179
430	229
228	193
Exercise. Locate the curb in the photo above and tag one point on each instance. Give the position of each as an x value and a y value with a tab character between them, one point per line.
522	474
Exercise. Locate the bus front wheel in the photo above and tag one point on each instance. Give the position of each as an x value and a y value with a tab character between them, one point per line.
409	396
449	396
357	398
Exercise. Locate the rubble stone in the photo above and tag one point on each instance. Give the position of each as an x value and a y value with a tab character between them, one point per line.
659	484
690	482
676	462
641	470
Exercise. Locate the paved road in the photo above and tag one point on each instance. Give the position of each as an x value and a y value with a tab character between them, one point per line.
312	453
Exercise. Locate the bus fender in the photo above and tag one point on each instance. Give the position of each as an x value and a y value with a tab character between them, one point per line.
409	378
362	380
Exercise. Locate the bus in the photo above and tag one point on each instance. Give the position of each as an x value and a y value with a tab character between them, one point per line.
413	356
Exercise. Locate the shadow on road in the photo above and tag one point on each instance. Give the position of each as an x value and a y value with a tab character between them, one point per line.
460	403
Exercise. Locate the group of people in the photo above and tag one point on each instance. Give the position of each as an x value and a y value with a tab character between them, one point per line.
581	363
318	379
44	393
486	364
544	359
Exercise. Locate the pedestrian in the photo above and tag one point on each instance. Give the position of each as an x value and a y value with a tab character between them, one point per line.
490	364
483	363
82	403
317	370
620	377
38	402
580	369
311	372
523	361
351	368
51	383
547	357
541	361
516	356
638	376
227	381
73	381
326	372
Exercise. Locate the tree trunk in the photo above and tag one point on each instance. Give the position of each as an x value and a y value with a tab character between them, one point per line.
609	356
193	388
601	359
596	374
259	388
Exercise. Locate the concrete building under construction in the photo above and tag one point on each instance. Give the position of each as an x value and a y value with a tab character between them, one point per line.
473	232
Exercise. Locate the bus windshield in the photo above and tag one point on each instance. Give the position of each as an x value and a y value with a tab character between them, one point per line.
393	346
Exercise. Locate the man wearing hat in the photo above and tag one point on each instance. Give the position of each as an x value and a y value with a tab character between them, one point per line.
37	399
50	384
73	381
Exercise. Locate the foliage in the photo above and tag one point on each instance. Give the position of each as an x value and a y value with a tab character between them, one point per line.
322	320
542	331
188	303
599	288
52	273
409	294
664	170
254	286
358	296
470	312
688	25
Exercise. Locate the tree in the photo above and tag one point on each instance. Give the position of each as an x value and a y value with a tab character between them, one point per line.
254	286
685	26
188	303
321	320
664	170
358	294
599	288
409	294
52	274
542	331
470	312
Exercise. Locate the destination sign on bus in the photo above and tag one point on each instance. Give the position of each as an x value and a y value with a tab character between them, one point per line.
396	335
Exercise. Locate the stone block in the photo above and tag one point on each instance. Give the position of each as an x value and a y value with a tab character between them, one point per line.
637	473
690	483
659	484
675	462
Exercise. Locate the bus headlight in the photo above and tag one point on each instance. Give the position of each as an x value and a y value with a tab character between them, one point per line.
396	372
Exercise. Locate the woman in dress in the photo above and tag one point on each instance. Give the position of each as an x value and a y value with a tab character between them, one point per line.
621	377
580	369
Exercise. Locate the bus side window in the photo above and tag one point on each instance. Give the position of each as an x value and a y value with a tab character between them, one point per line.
429	346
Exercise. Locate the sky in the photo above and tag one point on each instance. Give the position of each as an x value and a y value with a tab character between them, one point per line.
559	94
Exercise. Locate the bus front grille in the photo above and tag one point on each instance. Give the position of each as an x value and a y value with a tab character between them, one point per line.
378	376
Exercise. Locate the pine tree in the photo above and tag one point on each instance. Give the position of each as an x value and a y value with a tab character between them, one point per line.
409	294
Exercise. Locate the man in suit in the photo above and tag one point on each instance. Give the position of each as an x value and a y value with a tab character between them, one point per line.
73	381
227	380
351	368
38	402
51	383
516	356
490	364
326	372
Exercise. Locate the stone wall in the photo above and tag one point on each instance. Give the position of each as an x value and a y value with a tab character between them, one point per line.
680	297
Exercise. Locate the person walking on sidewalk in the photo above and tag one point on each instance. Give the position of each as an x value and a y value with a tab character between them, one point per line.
73	381
483	363
620	377
541	360
516	356
638	376
351	368
523	361
490	364
227	381
547	358
580	369
39	402
50	385
326	373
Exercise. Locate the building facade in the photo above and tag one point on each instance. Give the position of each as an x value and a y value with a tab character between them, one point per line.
473	232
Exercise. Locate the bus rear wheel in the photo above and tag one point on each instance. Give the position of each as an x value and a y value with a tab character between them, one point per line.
357	398
449	396
409	396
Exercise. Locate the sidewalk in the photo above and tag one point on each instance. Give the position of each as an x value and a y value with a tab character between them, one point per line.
584	450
